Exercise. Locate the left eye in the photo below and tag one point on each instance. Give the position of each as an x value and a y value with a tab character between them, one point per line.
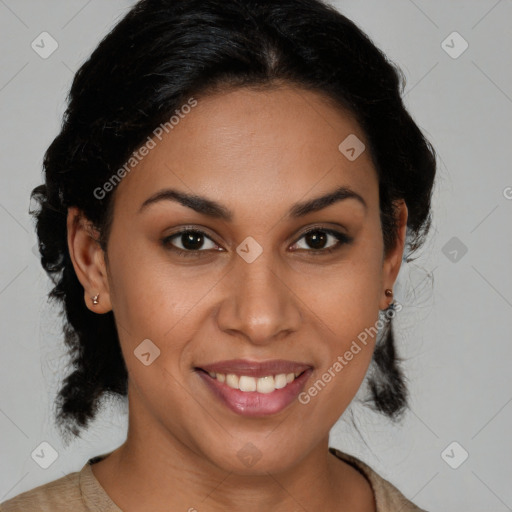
318	238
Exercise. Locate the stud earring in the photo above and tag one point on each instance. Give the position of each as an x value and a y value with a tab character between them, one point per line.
95	300
389	293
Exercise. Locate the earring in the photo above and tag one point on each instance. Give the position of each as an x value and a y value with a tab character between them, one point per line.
95	300
389	293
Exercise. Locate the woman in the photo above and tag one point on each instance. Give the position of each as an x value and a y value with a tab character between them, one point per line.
224	215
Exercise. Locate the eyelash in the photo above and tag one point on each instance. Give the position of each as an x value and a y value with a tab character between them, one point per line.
340	237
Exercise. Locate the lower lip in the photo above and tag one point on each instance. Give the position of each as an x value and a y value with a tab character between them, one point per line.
252	403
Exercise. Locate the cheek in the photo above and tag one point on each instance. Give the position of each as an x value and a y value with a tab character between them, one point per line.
346	313
342	358
345	310
151	302
148	299
345	298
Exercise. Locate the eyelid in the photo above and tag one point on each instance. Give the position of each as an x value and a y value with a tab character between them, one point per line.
198	228
322	227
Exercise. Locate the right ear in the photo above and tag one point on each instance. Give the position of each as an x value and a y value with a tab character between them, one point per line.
88	260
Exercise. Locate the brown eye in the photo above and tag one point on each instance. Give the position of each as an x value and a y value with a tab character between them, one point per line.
316	239
319	240
189	242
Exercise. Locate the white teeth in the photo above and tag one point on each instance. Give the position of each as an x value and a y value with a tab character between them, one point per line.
280	381
245	383
266	384
232	381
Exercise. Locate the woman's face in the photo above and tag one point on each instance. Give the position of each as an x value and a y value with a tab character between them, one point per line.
252	287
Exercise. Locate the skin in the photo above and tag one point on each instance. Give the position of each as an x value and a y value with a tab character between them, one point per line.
257	153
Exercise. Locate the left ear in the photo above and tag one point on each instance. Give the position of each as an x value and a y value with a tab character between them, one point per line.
393	259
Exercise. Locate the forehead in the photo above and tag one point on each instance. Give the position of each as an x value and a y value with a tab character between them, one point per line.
244	143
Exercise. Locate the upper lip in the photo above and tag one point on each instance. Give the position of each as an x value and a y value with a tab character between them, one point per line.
255	368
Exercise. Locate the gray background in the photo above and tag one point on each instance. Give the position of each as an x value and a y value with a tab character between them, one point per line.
456	323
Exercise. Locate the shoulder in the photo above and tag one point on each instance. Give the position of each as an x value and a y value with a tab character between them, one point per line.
387	497
61	494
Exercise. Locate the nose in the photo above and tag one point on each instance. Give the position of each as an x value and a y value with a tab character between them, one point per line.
260	305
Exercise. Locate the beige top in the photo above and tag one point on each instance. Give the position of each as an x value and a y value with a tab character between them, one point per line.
81	492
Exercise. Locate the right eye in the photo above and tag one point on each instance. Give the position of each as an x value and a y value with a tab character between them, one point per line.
191	240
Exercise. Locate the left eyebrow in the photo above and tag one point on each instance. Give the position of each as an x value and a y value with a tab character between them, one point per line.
214	209
314	205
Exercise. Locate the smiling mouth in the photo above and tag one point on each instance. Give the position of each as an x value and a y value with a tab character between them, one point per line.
248	383
255	389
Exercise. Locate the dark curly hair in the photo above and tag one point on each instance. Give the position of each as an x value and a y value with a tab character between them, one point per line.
163	52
